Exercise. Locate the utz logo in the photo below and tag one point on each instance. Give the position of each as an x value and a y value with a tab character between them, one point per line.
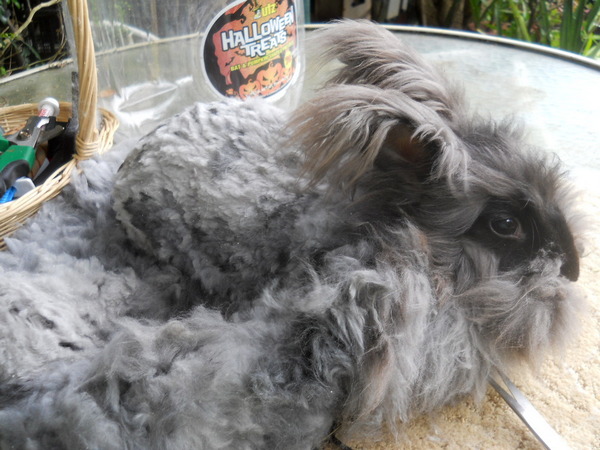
249	49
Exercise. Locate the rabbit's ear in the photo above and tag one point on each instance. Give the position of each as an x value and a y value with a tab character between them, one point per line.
384	102
372	55
346	129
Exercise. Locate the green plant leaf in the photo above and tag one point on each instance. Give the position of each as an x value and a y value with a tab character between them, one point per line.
523	33
578	42
489	7
592	16
475	6
545	28
497	18
566	27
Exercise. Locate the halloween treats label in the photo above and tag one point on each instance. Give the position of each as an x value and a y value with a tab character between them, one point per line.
250	48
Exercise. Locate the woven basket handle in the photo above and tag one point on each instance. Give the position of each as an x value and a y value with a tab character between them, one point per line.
87	137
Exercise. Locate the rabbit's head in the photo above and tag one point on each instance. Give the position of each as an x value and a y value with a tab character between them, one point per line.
495	215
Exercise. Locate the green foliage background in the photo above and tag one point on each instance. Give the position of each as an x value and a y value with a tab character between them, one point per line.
567	24
17	46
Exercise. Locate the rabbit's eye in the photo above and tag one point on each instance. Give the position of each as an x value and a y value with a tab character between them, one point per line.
507	226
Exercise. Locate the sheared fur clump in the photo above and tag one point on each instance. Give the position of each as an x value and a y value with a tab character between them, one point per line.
376	269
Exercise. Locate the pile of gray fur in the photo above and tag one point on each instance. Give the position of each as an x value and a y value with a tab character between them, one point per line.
247	282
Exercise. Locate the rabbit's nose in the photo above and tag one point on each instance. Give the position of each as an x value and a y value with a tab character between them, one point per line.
563	245
570	265
570	268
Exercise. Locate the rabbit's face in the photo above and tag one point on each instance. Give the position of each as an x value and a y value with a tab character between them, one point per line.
511	214
517	232
518	257
493	213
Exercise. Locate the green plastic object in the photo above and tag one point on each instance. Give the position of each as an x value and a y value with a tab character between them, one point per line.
15	162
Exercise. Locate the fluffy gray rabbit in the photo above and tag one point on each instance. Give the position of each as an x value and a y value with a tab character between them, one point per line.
400	179
428	246
366	262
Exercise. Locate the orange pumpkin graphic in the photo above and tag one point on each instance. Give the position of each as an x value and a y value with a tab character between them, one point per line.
270	78
252	87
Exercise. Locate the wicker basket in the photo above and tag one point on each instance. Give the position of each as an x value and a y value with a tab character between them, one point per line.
93	136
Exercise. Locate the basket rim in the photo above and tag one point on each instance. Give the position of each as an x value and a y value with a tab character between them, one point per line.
13	214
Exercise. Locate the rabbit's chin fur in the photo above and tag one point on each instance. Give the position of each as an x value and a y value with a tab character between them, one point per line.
367	263
520	317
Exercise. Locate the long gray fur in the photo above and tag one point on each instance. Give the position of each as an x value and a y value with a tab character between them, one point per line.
257	285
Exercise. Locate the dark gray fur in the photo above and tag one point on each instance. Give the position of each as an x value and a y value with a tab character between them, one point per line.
339	272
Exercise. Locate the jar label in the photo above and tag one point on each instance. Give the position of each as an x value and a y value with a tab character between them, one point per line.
250	48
